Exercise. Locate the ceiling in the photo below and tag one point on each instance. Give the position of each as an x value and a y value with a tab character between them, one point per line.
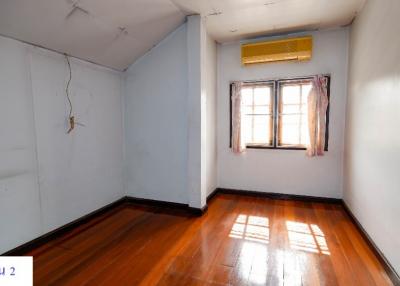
230	20
114	33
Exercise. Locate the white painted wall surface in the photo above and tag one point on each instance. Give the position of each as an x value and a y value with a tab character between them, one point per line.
170	119
49	178
372	154
82	171
156	122
19	192
211	114
284	171
196	102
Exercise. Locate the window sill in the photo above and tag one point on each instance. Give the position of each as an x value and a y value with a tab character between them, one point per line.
275	148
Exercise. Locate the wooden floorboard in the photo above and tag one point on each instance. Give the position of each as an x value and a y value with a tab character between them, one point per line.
239	241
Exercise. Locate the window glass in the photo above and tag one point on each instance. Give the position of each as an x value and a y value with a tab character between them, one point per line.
292	120
257	114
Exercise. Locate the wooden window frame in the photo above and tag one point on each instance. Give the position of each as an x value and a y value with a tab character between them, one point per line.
275	120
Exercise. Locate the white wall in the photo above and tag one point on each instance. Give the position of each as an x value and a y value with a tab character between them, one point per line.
211	115
156	122
372	155
80	172
19	192
49	178
196	106
284	171
202	157
170	118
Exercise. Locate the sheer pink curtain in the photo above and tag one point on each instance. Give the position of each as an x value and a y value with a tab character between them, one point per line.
317	105
238	144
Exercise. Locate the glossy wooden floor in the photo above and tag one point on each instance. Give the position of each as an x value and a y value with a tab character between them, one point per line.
239	241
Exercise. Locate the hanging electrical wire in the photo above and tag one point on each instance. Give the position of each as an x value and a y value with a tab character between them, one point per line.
70	116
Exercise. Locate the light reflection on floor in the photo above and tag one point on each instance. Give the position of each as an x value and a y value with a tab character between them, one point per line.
253	259
252	228
306	237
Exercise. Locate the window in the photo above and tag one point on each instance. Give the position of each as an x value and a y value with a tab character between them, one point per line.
275	114
257	104
292	113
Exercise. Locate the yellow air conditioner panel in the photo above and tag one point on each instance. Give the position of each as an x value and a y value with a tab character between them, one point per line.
294	49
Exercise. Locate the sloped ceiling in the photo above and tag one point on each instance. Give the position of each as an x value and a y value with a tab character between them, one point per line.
114	33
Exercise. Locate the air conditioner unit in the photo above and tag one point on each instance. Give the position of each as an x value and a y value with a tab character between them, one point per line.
294	49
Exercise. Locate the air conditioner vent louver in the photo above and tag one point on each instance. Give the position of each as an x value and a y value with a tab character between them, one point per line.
295	49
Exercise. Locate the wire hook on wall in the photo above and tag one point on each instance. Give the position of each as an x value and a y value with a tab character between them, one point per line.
70	116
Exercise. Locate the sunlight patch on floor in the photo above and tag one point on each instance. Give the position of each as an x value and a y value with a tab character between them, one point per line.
307	237
251	228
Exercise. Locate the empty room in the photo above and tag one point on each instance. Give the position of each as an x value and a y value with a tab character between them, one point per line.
200	142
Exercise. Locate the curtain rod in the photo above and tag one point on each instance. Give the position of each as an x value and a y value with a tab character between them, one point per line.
278	79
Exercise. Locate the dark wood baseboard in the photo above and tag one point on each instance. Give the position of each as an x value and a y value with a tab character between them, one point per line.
43	239
167	205
26	247
278	196
197	211
212	195
393	275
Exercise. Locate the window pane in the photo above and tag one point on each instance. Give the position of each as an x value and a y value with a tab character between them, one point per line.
261	129
257	129
290	94
293	125
247	96
261	109
247	109
292	108
257	117
262	95
290	133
